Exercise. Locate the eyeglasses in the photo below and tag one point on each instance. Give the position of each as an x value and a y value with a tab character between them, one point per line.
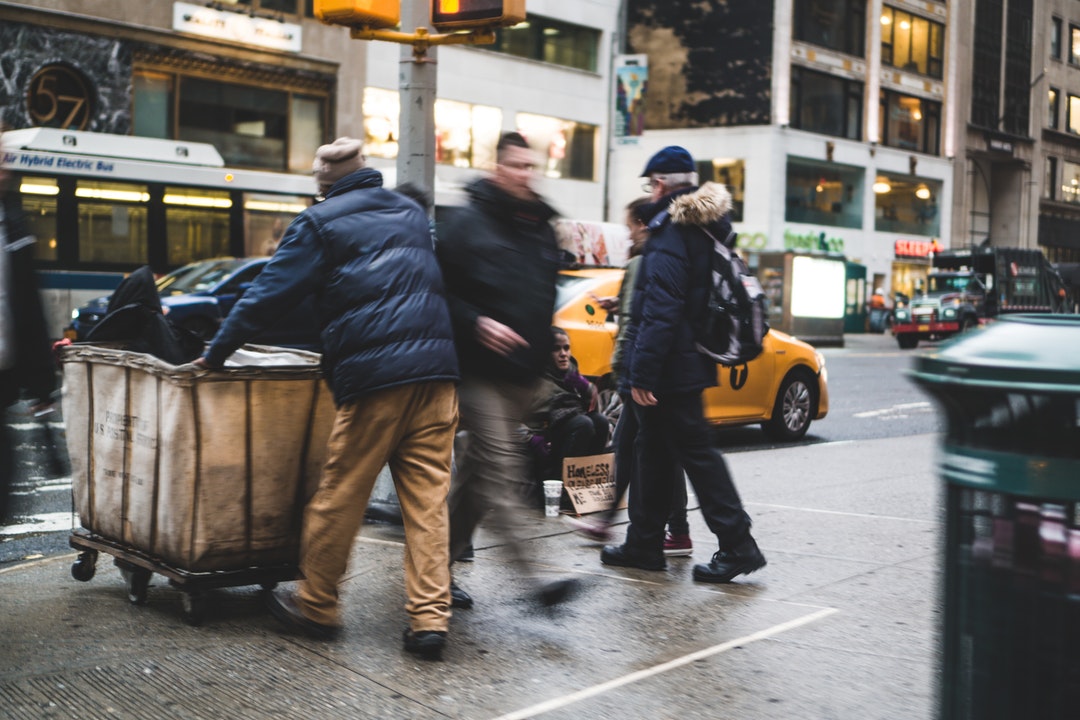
648	185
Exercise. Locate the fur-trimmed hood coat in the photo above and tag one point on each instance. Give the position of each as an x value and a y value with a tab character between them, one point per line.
672	291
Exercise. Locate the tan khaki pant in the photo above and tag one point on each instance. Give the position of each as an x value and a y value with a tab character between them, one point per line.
412	428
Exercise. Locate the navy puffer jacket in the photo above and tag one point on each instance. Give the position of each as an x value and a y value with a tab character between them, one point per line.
672	291
365	254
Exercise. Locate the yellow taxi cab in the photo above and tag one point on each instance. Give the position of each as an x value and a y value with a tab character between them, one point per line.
784	389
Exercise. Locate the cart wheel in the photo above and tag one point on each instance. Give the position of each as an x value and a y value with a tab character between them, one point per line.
194	604
138	580
85	566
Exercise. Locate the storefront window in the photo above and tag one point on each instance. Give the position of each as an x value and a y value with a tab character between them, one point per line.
732	174
247	124
465	135
39	204
826	104
196	224
266	218
903	204
153	104
568	148
306	131
381	116
1070	182
836	24
824	193
553	41
112	222
272	127
910	123
912	43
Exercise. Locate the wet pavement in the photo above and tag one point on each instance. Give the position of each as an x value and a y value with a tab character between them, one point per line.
840	624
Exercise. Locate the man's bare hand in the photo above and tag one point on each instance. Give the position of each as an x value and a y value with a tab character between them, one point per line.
643	397
200	362
609	303
497	337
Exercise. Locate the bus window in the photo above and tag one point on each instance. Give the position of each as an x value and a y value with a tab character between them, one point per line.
112	222
265	219
39	204
197	224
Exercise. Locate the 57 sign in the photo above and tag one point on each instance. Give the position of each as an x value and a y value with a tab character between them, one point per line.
59	96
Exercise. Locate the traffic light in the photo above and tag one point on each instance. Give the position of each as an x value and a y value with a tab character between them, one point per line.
369	13
472	14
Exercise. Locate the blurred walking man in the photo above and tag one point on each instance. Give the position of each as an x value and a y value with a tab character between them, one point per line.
388	352
500	260
25	359
667	375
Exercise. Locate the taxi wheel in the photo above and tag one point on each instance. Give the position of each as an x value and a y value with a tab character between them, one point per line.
794	407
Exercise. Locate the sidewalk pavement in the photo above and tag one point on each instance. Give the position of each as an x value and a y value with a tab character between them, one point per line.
840	624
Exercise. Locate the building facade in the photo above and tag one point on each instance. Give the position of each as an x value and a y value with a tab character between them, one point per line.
828	119
266	83
1054	182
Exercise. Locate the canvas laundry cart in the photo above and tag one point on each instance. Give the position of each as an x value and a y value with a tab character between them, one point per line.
198	475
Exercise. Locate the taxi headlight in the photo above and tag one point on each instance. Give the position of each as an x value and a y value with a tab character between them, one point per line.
75	314
901	314
948	313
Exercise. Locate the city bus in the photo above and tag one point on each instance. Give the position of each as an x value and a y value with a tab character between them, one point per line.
103	205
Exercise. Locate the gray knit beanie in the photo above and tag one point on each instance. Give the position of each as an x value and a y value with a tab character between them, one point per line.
336	160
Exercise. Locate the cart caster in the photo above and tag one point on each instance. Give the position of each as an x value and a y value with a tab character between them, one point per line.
138	580
85	566
194	604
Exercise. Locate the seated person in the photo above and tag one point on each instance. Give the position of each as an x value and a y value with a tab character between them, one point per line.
565	420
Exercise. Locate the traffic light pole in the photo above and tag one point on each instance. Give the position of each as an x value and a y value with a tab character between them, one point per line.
417	81
417	85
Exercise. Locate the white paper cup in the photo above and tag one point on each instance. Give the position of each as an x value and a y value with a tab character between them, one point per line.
552	495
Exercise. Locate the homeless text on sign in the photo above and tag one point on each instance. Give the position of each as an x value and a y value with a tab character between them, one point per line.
590	481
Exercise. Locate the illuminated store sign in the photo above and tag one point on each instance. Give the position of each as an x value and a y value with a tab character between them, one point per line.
237	27
916	248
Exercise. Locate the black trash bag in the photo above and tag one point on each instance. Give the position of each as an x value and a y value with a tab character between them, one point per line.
134	318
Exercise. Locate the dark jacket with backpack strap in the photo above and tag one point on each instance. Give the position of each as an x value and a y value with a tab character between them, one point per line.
672	291
365	254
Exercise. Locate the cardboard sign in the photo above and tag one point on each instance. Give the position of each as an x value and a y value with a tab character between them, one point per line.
590	482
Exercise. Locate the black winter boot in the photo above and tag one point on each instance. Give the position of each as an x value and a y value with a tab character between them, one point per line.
725	565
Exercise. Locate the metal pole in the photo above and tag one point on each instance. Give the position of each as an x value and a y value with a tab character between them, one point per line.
417	85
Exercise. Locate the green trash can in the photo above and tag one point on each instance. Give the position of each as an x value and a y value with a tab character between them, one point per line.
1011	465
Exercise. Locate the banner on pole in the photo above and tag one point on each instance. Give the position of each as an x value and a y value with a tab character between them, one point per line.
631	79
